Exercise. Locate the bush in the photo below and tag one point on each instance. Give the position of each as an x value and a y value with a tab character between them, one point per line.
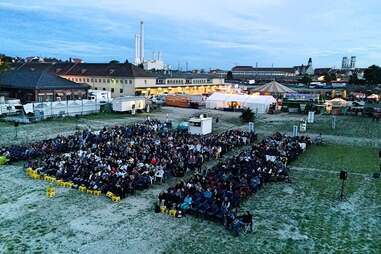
247	115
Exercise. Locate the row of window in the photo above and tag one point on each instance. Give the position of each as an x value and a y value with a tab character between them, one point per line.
99	80
181	81
112	89
270	73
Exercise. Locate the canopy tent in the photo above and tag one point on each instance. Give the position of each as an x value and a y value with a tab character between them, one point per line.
373	97
337	102
274	87
258	103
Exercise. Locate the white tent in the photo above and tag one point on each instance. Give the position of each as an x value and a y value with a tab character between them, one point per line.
257	103
215	101
260	104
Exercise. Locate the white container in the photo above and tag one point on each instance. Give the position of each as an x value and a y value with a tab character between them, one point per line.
200	126
128	103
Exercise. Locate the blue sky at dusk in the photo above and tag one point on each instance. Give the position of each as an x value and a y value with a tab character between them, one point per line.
206	34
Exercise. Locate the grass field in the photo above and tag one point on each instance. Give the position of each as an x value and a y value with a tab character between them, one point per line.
299	217
346	126
340	157
303	216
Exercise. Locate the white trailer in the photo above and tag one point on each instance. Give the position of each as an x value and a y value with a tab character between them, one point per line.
99	96
128	103
10	106
200	126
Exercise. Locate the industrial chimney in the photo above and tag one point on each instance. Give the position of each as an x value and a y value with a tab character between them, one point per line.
141	42
137	49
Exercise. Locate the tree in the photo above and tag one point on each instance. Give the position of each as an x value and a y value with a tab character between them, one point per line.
229	75
328	77
114	61
247	115
4	65
372	75
354	80
306	80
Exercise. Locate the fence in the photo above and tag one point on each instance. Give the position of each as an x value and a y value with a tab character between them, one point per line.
45	110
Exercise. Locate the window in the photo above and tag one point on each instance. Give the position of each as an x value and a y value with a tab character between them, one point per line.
108	80
104	89
96	80
99	80
104	80
96	88
92	80
145	82
130	81
121	90
112	90
88	80
125	81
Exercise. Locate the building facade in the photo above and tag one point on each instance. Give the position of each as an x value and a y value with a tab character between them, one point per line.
119	79
36	82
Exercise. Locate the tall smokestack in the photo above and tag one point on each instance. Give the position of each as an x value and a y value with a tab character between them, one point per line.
137	49
141	42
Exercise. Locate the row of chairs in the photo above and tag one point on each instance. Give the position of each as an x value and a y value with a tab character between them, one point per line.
35	175
173	212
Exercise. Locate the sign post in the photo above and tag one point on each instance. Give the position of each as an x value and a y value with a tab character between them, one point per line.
295	131
252	127
333	122
311	117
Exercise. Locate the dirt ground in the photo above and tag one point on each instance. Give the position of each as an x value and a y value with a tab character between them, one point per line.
303	216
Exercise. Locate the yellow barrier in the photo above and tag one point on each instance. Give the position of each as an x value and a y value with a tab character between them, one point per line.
172	212
68	184
109	194
163	209
115	199
51	192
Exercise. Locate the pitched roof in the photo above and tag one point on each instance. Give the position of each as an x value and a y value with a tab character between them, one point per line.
274	87
36	77
101	69
250	68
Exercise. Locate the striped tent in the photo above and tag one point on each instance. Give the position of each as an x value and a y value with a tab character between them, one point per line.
274	87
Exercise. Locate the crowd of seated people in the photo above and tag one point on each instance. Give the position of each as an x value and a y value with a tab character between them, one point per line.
123	159
55	145
218	194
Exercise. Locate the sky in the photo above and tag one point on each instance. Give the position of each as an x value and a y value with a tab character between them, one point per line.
203	33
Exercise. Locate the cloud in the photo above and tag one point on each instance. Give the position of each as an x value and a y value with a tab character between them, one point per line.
282	31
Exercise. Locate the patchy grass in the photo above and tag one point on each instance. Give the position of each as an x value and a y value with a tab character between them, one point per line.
340	157
299	217
346	126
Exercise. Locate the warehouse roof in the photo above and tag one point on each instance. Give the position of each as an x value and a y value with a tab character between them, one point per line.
27	76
